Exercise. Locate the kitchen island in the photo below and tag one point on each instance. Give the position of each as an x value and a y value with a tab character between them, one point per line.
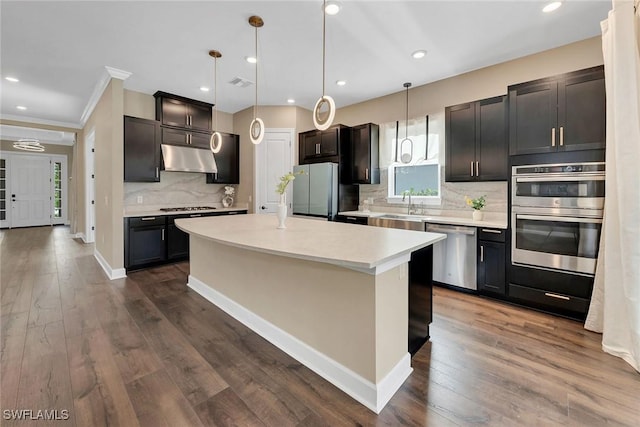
333	296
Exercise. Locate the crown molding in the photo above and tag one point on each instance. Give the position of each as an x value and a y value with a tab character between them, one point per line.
117	74
107	75
27	120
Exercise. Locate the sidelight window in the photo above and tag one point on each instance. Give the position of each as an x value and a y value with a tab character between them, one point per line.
57	189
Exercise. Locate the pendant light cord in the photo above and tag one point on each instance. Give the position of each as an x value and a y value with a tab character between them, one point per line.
324	26
215	92
255	106
406	120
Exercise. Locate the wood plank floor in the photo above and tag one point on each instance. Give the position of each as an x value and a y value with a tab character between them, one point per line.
147	351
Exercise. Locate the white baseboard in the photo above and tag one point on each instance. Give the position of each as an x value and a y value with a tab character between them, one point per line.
373	396
80	236
118	273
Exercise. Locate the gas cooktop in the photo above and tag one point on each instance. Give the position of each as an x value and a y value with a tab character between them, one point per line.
188	209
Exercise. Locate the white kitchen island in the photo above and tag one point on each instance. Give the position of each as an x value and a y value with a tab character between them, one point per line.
334	296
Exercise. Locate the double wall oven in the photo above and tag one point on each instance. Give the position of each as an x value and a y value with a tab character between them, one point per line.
556	216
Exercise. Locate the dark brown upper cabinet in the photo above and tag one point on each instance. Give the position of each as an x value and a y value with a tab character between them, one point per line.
227	161
561	113
142	158
323	146
177	111
476	145
365	148
174	136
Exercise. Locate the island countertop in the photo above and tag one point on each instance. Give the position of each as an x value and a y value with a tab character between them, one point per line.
370	249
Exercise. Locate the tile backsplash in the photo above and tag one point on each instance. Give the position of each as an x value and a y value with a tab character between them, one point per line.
452	195
174	188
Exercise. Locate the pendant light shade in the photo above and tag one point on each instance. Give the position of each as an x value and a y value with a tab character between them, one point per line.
256	129
325	110
215	143
406	156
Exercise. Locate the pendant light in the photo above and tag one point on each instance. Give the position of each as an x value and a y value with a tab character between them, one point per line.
215	143
256	129
319	120
406	157
28	144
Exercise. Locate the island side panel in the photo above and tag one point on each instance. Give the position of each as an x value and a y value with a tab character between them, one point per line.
332	309
392	319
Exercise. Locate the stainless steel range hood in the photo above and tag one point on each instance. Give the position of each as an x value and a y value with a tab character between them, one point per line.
187	159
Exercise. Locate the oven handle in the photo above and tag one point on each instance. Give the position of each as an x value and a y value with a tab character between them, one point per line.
559	218
560	178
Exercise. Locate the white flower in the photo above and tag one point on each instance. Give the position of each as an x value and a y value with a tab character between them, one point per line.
229	191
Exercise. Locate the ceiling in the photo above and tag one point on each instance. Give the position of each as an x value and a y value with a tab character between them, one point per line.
59	49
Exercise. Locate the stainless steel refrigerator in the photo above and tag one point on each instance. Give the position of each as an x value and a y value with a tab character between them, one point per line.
315	192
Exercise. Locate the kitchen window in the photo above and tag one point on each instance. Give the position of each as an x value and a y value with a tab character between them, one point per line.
421	176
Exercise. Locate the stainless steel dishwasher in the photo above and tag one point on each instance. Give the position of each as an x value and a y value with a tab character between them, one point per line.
454	259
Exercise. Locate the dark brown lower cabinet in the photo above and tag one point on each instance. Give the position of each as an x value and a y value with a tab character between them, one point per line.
492	261
156	240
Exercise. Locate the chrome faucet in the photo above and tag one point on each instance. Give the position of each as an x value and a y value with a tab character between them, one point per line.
410	206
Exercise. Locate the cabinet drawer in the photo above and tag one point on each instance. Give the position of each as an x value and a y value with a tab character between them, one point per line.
491	234
147	221
549	299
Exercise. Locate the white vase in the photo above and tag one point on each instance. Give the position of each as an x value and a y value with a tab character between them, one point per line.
227	201
282	211
477	215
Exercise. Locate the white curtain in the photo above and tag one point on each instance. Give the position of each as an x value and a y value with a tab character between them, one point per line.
615	304
417	132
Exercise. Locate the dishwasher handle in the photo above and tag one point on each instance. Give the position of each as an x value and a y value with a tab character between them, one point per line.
469	231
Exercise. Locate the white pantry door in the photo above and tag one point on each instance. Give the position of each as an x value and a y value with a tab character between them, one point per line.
30	190
273	159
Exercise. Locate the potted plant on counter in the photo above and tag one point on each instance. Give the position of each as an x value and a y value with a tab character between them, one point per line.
477	205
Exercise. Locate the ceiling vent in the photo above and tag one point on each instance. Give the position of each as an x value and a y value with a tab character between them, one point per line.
240	82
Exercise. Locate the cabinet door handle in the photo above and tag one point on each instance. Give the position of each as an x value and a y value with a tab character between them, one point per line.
481	253
561	136
486	230
549	294
318	148
553	137
194	215
162	234
149	218
471	168
366	173
477	168
157	172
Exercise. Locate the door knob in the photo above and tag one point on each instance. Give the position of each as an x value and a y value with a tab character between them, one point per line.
263	207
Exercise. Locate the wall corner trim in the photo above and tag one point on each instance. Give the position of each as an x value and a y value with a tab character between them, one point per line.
118	273
373	396
107	75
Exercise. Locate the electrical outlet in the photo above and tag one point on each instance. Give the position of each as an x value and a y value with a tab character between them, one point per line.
249	198
139	200
106	200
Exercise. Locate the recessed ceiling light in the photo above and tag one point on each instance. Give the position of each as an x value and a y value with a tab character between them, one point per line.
204	88
291	101
419	54
552	6
341	82
12	79
21	107
250	59
332	8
